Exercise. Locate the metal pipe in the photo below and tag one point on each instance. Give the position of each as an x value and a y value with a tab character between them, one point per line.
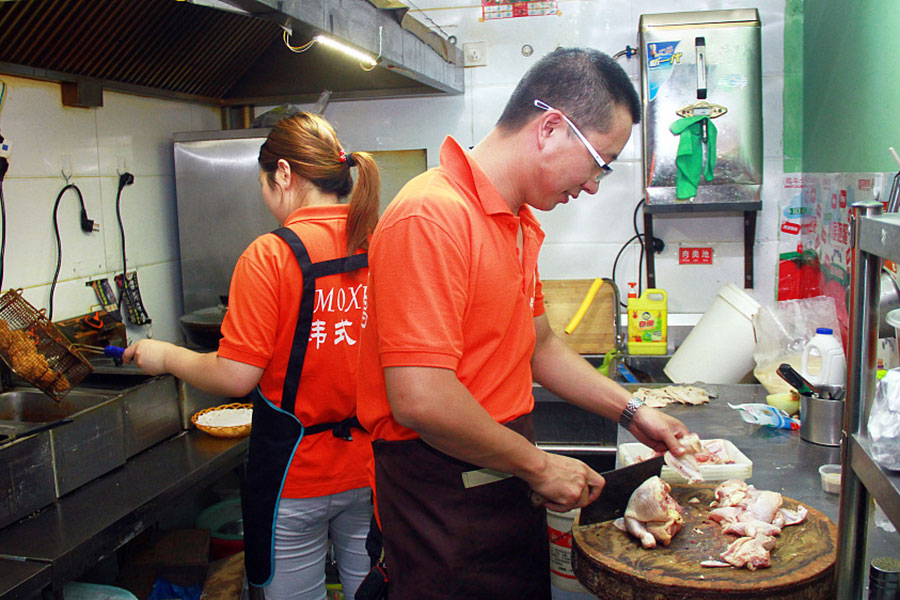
853	517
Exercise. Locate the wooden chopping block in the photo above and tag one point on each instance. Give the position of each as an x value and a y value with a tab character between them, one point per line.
613	565
596	334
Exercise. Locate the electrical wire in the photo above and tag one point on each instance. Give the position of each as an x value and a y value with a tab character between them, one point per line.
2	227
643	239
4	167
296	49
619	255
124	179
62	192
430	20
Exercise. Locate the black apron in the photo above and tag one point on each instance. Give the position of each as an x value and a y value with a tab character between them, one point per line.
443	540
276	432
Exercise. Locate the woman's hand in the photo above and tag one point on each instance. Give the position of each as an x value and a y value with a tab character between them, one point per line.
149	355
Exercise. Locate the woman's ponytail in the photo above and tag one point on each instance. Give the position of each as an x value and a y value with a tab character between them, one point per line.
364	202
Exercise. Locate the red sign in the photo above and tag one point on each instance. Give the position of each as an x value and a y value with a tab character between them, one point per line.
695	256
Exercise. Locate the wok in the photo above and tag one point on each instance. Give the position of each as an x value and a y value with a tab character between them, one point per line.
203	327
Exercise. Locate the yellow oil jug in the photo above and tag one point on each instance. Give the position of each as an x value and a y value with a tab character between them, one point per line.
647	320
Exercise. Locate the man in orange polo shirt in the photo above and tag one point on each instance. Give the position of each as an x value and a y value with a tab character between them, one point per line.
456	334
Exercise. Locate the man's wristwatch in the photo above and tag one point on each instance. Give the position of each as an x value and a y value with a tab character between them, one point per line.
628	412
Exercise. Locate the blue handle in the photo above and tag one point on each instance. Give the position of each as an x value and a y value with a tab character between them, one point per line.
626	374
113	351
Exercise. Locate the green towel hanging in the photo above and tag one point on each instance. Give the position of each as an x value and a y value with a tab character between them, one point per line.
689	158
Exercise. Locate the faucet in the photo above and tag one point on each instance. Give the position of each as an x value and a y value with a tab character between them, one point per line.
620	337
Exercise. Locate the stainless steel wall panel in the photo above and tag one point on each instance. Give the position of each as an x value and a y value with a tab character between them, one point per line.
219	209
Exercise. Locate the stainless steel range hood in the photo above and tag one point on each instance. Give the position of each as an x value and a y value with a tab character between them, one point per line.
223	52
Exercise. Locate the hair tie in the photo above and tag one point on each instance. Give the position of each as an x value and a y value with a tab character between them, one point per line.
342	156
351	162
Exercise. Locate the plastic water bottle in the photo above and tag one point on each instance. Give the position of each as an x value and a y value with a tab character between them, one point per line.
830	352
764	414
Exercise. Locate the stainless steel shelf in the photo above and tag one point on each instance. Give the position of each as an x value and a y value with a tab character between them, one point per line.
876	236
882	484
881	235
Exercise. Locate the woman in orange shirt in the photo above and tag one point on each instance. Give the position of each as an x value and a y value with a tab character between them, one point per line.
290	341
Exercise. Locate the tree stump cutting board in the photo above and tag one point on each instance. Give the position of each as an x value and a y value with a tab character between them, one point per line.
596	334
613	565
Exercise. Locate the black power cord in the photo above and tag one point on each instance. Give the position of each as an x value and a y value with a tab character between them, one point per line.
124	180
87	226
658	245
4	167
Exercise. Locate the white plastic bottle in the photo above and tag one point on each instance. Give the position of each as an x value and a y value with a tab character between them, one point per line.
829	352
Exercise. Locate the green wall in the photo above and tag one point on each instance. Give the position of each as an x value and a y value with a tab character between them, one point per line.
850	85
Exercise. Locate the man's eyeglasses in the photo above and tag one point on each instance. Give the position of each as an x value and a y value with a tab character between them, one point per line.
605	169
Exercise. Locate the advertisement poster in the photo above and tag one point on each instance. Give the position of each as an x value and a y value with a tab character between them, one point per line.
814	235
504	9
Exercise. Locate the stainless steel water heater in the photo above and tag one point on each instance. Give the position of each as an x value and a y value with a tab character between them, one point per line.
702	68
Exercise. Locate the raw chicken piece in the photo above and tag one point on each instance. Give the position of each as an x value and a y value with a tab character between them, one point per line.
790	517
751	528
652	515
726	514
733	492
682	394
750	552
764	505
719	452
714	563
687	464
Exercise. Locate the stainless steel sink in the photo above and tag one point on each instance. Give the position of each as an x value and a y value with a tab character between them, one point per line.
30	405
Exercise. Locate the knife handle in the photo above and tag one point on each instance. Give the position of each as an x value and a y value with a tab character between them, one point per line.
536	499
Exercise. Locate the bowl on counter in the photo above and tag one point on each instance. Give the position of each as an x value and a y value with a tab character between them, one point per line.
831	478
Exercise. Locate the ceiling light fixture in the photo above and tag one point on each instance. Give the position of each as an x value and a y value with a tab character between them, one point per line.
352	52
366	62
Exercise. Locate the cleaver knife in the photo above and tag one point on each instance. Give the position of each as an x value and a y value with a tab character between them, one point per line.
620	484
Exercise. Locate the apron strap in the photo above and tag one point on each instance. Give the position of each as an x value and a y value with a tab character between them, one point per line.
311	271
339	429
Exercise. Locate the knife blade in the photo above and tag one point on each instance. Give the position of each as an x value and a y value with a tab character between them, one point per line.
620	484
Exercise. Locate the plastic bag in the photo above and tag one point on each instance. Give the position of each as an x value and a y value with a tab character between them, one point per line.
884	422
166	590
763	414
781	333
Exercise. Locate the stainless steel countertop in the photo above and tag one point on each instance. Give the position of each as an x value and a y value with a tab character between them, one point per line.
782	461
75	532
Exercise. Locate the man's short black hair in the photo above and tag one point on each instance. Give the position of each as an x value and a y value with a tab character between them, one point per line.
585	84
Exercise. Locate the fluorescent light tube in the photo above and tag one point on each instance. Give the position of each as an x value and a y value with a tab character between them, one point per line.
360	56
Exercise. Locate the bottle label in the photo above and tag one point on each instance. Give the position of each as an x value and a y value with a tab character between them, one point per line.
645	326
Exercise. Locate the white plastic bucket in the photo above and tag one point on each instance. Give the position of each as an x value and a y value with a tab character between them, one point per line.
559	530
719	349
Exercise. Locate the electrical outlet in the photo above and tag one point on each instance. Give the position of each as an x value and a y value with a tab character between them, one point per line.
475	54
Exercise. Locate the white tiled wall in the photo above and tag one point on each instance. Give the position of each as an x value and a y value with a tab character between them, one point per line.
135	133
129	132
584	236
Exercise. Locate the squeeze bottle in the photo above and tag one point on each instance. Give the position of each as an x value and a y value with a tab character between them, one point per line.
830	354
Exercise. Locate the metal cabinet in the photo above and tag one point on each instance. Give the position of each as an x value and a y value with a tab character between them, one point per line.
876	236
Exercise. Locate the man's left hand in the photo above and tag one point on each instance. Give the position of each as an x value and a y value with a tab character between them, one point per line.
658	430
